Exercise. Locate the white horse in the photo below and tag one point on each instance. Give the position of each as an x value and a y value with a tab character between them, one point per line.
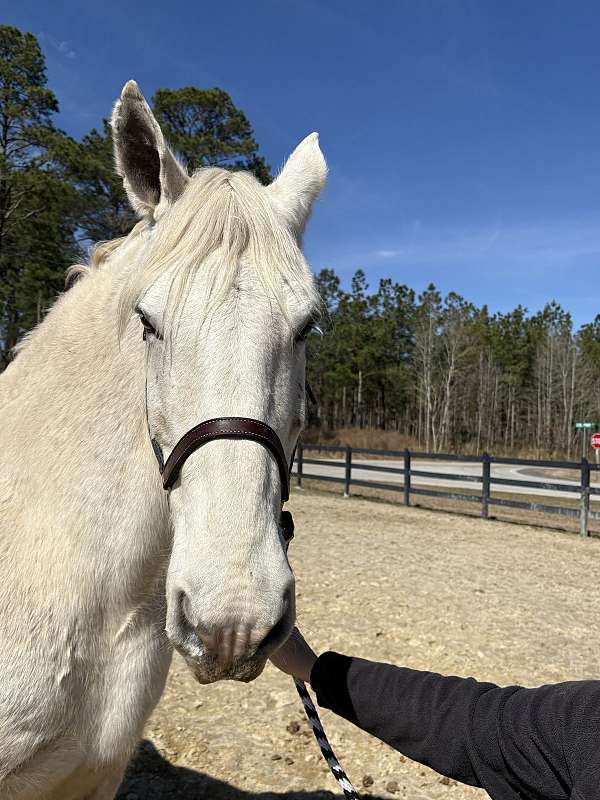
96	561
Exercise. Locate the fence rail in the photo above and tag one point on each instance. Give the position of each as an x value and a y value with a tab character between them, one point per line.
484	482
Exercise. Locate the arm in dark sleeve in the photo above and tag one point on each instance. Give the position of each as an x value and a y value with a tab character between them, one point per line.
513	742
421	714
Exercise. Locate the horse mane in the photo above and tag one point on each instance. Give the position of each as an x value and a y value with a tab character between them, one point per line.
100	253
220	218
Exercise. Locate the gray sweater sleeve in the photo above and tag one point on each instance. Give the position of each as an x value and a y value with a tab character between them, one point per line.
516	743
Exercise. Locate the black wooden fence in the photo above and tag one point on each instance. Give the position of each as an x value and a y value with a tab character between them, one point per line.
483	482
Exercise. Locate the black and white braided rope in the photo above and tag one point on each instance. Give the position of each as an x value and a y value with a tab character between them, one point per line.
328	754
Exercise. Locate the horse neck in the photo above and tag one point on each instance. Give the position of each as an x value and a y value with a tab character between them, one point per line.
78	445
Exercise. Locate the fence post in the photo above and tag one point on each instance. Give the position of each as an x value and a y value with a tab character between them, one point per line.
407	477
348	472
299	462
485	485
585	498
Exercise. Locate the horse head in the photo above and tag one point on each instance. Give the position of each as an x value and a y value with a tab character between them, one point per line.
225	301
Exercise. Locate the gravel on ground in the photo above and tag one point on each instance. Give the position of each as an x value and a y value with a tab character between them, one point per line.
506	603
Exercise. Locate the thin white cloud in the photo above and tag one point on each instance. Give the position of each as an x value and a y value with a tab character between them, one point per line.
387	253
555	243
62	47
65	49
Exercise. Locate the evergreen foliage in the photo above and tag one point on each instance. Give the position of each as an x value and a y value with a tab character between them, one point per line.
451	376
446	374
207	130
59	196
37	205
105	210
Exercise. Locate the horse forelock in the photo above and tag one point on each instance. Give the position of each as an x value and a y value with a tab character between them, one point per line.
221	218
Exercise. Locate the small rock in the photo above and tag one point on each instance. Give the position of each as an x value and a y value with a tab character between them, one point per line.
446	781
293	727
367	781
198	703
288	760
275	757
402	758
392	787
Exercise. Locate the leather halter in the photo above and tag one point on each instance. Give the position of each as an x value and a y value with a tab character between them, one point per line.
230	428
227	428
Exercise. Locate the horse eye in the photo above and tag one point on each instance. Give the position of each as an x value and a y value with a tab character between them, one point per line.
301	336
310	327
147	325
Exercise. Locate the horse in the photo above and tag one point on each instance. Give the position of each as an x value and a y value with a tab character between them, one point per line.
201	311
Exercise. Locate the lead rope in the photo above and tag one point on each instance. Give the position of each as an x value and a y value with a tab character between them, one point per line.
287	526
334	765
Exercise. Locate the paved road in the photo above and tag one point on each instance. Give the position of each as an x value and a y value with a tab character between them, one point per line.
515	472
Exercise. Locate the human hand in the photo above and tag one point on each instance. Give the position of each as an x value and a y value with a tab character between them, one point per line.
295	657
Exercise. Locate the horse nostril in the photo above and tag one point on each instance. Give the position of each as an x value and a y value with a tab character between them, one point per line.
279	632
275	636
186	624
184	610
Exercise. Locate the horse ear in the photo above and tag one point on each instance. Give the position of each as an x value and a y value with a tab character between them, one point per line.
300	182
151	173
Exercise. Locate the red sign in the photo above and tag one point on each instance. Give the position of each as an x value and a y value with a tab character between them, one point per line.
596	441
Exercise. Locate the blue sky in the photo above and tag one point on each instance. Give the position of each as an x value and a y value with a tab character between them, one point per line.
463	136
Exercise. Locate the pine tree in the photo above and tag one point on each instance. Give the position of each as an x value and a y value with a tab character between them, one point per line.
206	129
36	204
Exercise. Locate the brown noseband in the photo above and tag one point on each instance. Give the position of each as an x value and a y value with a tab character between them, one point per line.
227	428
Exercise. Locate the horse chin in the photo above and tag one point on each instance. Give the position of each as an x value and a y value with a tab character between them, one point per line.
209	669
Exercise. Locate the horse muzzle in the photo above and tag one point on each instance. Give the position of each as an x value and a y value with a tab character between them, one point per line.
235	647
208	668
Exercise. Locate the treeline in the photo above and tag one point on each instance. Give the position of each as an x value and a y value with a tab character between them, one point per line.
451	376
440	371
59	195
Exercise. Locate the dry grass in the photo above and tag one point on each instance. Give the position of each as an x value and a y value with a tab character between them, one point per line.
506	603
357	437
393	440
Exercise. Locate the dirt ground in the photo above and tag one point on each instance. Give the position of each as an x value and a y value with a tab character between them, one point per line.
505	603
